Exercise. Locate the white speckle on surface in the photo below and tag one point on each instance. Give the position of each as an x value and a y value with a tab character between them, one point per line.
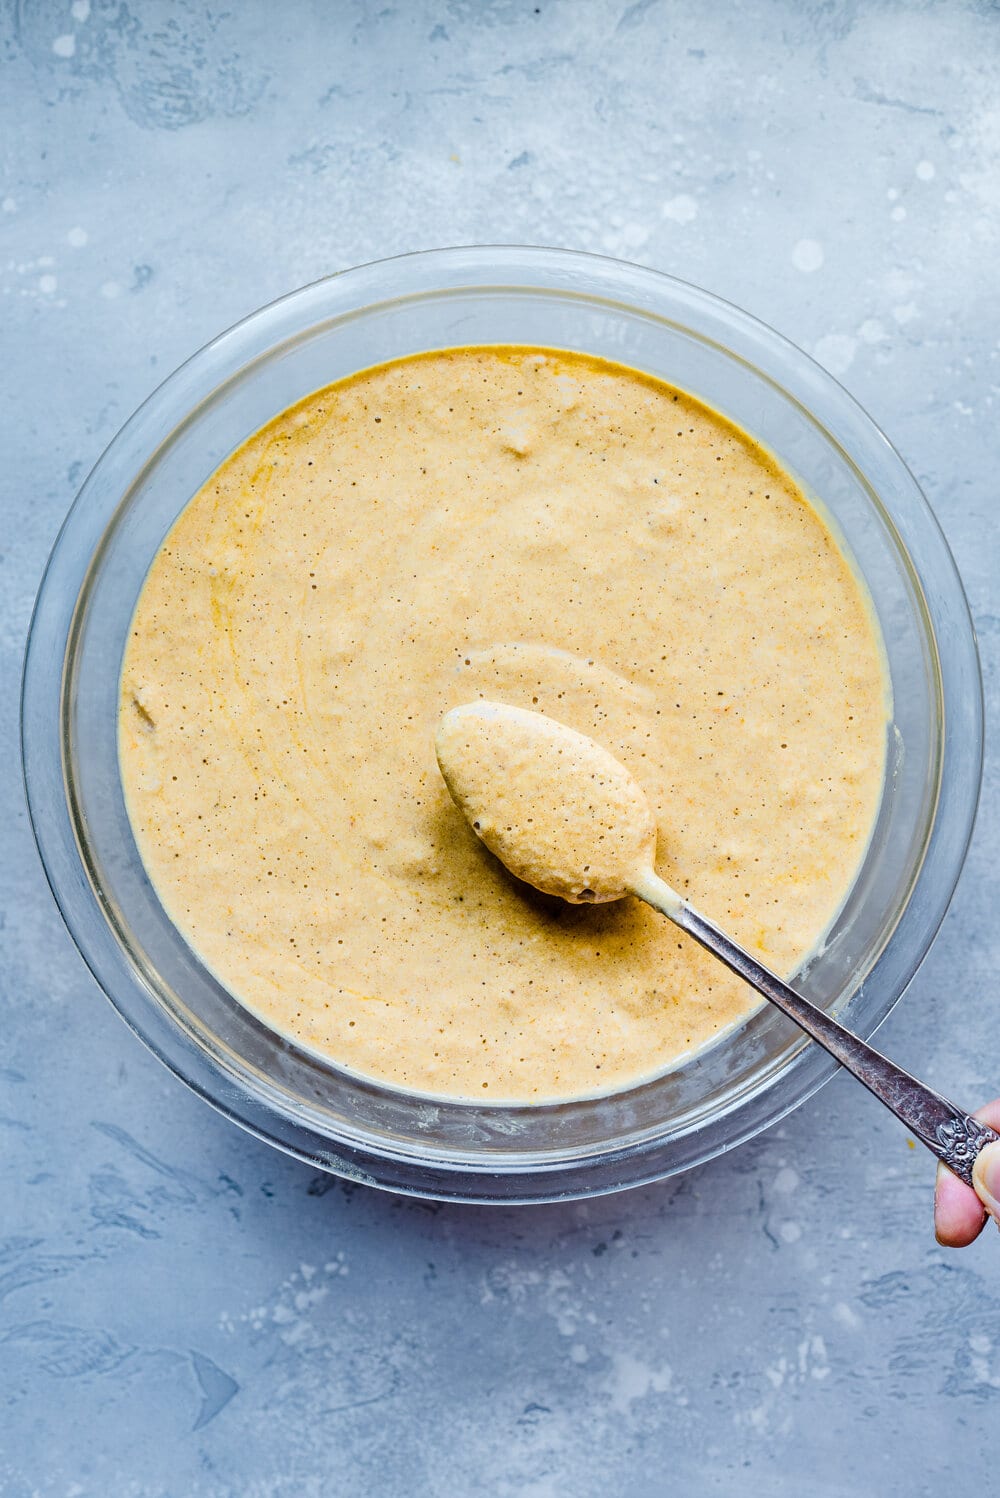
926	171
846	1315
80	11
898	214
306	1299
47	284
979	1365
980	1343
632	1379
871	331
905	313
786	1181
65	45
757	1417
110	290
836	352
296	1334
77	237
680	210
791	1232
892	194
9	205
634	236
807	256
578	1353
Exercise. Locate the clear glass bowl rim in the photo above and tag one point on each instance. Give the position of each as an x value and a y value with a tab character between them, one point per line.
848	427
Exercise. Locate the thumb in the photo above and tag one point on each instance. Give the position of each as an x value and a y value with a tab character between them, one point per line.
986	1178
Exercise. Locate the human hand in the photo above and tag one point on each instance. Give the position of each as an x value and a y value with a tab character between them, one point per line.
960	1214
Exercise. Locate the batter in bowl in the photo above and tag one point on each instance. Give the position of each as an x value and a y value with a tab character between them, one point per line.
533	527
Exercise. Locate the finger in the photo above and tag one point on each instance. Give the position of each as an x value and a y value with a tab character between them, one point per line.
959	1214
986	1179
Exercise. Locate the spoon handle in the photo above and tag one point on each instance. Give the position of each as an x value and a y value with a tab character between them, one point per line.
948	1132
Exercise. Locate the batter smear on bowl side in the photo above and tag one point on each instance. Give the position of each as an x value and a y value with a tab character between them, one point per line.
537	528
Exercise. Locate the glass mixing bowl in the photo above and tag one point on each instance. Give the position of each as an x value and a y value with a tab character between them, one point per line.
323	1113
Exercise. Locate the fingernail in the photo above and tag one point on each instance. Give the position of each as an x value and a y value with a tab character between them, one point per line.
986	1178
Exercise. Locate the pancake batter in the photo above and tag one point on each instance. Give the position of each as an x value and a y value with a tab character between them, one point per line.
543	529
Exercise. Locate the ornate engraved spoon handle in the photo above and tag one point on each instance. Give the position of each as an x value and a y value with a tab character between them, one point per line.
948	1131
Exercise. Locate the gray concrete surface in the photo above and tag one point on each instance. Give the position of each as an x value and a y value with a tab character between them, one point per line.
184	1312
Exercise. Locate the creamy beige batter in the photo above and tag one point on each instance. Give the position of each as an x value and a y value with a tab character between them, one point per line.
561	812
550	531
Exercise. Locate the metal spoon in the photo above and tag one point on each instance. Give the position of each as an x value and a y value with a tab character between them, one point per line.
544	798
